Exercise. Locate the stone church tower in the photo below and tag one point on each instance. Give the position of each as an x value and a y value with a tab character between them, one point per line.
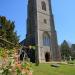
41	30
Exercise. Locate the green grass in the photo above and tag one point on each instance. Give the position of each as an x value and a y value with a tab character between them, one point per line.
46	69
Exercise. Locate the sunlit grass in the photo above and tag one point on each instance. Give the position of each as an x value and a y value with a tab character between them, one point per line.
46	69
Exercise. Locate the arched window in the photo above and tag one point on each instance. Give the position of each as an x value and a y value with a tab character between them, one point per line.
43	5
46	39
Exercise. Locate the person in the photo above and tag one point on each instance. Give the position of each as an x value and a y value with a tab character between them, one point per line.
23	54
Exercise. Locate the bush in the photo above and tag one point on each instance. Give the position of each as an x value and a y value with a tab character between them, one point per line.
11	65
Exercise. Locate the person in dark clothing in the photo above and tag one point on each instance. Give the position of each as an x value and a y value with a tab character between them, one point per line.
23	54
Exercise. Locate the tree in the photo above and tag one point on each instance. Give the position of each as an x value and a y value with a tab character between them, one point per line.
73	51
7	30
65	50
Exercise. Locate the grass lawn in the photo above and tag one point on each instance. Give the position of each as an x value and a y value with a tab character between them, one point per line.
46	69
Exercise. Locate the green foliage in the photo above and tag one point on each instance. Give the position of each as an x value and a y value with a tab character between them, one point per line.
24	65
73	51
18	71
65	50
7	69
5	52
1	52
7	31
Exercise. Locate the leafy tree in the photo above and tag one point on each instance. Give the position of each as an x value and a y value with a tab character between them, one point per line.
73	51
65	50
7	31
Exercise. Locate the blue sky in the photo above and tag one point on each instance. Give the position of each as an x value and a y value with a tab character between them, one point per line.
63	11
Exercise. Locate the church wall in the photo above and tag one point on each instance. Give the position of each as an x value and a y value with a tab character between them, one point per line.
40	21
41	25
43	49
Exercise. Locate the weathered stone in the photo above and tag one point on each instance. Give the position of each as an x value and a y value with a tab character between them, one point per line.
41	31
55	65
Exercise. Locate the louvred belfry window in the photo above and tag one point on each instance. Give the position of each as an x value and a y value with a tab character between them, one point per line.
43	5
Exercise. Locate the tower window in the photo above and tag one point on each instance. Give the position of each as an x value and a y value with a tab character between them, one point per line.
43	5
46	39
45	21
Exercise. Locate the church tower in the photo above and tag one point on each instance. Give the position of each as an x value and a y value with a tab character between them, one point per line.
41	30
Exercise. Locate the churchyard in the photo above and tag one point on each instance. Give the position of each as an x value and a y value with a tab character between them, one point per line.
42	26
10	65
47	69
